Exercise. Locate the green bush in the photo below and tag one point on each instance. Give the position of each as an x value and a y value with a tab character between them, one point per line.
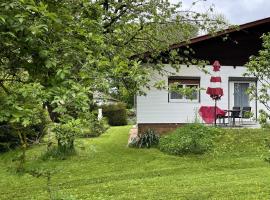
131	115
190	139
146	140
115	113
263	119
58	153
9	138
95	128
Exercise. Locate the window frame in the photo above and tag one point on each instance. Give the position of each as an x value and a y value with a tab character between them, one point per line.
180	82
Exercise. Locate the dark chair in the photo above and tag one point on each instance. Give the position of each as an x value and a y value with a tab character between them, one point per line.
236	114
222	117
246	110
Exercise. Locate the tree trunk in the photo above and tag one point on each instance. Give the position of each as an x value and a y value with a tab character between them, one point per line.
23	140
53	115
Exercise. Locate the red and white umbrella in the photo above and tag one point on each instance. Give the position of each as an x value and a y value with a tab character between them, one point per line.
215	91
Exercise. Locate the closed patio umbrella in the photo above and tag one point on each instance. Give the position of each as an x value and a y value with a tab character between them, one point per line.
215	91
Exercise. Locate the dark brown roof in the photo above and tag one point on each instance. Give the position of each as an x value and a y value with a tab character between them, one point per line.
242	42
224	32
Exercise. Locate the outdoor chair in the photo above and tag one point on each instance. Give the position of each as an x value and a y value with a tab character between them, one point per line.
222	117
246	110
236	114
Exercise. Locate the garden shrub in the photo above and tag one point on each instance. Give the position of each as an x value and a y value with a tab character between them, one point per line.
115	113
190	139
95	127
57	153
263	119
131	115
146	140
9	138
65	134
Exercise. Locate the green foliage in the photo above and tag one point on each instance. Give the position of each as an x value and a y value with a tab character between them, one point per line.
64	51
8	137
148	139
44	173
65	134
107	165
50	188
248	114
58	153
115	113
190	139
131	115
263	119
188	92
34	133
45	57
22	106
94	127
258	66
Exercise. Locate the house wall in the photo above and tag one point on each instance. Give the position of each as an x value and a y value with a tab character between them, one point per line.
154	107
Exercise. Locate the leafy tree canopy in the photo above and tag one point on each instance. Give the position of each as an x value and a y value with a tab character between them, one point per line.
56	53
258	67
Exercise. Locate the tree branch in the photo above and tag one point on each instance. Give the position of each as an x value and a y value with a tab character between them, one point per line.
4	88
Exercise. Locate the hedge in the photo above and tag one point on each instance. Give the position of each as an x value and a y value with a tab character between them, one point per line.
115	113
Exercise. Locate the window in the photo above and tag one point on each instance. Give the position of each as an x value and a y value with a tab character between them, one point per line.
175	95
241	97
184	83
195	94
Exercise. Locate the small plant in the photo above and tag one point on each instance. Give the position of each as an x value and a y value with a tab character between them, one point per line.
58	153
131	114
95	127
190	139
267	145
263	117
248	114
65	134
47	174
146	140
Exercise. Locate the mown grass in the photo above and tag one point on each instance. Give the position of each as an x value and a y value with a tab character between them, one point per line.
104	168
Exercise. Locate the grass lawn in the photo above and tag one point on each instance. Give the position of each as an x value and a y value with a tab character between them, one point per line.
105	168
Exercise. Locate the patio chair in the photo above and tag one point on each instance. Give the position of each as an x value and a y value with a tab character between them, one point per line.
236	114
222	117
245	110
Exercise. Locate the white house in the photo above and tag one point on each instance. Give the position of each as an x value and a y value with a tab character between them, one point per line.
164	111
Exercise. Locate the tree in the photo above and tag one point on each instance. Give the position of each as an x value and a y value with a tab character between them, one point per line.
45	48
259	67
66	50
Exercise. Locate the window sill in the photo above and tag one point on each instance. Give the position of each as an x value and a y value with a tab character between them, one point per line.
184	101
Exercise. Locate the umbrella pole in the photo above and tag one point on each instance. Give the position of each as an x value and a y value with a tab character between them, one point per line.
215	112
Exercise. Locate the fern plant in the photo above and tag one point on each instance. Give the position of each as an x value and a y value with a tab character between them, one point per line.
148	139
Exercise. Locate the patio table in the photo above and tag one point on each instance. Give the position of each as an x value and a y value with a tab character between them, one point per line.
232	116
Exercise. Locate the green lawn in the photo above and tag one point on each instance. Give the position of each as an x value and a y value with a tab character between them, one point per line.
106	169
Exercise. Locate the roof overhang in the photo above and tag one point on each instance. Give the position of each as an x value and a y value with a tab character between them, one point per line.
232	47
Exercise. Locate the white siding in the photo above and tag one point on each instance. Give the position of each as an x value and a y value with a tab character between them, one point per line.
155	108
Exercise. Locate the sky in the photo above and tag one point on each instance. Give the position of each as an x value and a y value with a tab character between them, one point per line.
235	11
